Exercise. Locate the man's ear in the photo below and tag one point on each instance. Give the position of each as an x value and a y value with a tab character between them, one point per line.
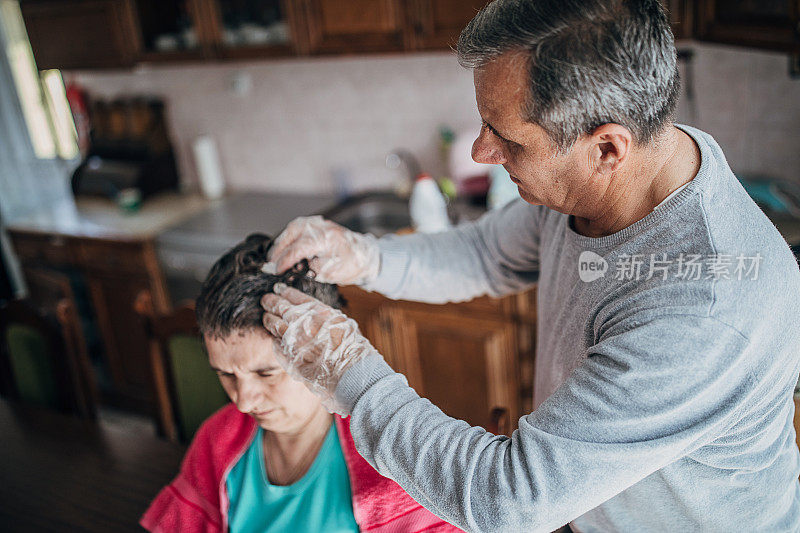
609	147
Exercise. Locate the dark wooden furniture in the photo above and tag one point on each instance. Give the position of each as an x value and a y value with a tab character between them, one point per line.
65	356
120	33
182	320
436	24
181	404
797	420
681	17
81	33
770	24
474	360
61	473
334	26
112	271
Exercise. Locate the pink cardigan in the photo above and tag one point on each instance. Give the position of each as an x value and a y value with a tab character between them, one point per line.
197	501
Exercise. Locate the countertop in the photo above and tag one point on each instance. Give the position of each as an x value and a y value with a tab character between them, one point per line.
102	218
229	220
189	221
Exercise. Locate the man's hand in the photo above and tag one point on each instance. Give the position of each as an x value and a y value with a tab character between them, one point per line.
334	253
317	343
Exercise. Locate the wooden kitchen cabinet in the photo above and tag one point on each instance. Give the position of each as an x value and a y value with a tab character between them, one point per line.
681	17
120	33
771	24
111	272
258	28
351	26
466	358
172	30
71	34
68	34
437	24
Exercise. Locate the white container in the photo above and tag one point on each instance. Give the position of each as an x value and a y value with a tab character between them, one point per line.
209	171
427	206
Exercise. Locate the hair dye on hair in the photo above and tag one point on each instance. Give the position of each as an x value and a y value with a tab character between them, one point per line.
230	299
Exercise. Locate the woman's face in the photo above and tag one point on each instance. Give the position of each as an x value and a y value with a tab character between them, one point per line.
249	372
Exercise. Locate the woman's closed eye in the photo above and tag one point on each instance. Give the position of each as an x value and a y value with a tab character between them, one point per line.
226	375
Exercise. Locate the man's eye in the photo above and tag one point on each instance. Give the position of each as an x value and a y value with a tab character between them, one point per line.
266	374
224	375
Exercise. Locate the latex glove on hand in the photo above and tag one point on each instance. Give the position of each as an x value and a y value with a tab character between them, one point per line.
317	342
335	254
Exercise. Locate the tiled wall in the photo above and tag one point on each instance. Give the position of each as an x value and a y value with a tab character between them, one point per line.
305	120
748	102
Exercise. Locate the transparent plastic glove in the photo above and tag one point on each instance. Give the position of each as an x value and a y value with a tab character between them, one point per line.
317	342
334	253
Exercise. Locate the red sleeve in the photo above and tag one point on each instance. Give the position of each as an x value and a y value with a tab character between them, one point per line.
191	502
172	511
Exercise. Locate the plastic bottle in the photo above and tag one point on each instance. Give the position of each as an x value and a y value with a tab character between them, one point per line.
427	206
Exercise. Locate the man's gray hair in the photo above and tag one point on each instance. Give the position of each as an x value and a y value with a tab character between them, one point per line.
590	62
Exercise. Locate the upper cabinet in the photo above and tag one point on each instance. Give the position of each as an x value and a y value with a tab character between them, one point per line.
336	26
436	24
251	28
74	34
169	29
81	33
771	24
71	34
681	17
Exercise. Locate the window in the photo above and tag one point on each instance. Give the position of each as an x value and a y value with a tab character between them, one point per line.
41	94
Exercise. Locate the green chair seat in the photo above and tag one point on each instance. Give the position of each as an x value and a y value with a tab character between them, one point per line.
197	389
32	366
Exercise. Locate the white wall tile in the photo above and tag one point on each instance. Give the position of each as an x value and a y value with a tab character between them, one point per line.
304	118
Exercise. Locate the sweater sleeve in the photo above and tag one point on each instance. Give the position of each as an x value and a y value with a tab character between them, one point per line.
649	392
496	255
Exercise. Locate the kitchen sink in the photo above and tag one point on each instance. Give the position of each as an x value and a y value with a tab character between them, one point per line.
378	213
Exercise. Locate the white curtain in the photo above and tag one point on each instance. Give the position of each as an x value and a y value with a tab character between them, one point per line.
27	183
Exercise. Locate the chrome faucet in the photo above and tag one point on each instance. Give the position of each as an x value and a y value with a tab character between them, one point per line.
398	158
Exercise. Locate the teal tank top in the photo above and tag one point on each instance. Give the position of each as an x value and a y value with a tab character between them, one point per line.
319	501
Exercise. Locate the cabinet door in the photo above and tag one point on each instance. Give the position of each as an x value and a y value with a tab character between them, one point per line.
438	23
67	34
172	30
257	28
370	309
124	338
354	26
768	24
680	17
465	365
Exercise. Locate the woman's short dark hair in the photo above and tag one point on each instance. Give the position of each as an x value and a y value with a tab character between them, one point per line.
230	299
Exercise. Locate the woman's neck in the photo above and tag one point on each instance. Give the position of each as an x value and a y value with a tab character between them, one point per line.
288	456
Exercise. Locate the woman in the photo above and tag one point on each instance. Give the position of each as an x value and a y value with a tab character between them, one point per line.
274	460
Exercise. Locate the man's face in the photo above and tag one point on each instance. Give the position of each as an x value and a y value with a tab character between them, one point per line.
246	364
542	175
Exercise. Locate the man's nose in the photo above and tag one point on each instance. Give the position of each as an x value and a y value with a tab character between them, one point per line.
486	149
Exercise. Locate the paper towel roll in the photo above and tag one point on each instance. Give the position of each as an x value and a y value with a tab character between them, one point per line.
209	172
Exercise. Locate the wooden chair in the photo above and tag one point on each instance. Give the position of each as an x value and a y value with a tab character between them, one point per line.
43	357
499	421
187	390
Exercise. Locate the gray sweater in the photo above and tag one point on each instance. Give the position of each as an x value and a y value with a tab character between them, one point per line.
663	386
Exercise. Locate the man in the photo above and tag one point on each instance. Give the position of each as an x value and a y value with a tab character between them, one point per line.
668	345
